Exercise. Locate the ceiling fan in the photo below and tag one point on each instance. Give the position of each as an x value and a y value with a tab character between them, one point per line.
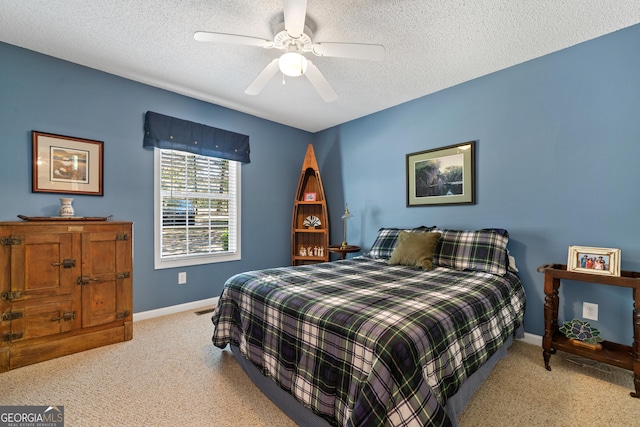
295	39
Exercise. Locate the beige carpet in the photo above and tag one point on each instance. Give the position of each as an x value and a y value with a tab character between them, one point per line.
171	375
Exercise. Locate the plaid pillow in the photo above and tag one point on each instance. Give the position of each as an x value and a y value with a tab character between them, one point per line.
480	250
387	241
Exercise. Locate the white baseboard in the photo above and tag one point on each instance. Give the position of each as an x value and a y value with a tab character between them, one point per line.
174	309
528	338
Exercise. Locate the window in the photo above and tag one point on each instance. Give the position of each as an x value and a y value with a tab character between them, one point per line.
197	209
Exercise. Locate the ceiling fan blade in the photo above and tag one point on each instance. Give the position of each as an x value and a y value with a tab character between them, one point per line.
372	52
320	83
263	78
294	16
204	36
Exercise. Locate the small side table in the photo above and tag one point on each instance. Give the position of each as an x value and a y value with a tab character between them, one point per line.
622	356
343	251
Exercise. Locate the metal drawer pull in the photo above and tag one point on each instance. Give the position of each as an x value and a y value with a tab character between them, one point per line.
9	316
66	263
11	337
8	296
66	317
83	280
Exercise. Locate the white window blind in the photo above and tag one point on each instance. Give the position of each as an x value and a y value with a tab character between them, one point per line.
197	209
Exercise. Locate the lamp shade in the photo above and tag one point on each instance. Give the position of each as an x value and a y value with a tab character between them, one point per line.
293	64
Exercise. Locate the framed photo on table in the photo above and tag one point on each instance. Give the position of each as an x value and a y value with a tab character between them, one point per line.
64	164
309	197
585	259
442	176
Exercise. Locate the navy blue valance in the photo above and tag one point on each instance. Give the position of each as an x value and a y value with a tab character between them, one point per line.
175	134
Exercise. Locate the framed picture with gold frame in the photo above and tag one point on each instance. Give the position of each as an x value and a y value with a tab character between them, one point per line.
586	259
64	164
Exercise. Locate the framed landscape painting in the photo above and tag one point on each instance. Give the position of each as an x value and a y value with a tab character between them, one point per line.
442	176
64	164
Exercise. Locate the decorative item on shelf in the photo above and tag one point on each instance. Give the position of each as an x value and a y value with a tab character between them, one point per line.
582	334
311	251
66	218
586	259
66	209
311	221
345	217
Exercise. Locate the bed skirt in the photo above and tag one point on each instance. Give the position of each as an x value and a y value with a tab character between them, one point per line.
305	417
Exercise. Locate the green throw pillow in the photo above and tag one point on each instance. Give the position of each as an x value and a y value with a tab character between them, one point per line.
415	249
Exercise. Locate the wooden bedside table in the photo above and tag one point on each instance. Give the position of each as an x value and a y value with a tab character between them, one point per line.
343	251
622	356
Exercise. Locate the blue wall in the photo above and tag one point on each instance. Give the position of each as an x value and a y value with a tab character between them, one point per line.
558	142
41	93
558	145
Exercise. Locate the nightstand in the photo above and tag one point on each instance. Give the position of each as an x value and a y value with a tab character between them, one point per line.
622	356
343	251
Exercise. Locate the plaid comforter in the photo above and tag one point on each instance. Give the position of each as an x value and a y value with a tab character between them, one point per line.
363	343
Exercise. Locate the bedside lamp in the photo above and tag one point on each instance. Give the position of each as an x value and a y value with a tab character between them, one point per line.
347	216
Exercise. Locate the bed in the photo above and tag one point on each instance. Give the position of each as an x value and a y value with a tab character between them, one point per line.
400	336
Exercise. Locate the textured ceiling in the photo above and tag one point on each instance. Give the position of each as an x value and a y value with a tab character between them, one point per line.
430	45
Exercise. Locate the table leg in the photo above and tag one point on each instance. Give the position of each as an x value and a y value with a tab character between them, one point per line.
551	287
635	349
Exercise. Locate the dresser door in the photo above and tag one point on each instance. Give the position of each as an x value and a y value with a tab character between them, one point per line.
41	275
106	272
42	265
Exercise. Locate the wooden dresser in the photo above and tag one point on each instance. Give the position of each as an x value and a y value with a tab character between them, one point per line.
65	287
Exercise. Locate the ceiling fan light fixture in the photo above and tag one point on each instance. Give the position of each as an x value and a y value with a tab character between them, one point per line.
293	64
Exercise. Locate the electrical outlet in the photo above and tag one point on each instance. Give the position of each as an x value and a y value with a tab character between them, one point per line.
590	311
182	278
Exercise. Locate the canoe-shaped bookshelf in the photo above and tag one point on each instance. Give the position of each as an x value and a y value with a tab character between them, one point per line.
310	222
